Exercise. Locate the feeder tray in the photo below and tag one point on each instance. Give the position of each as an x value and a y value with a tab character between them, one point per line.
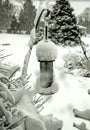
47	91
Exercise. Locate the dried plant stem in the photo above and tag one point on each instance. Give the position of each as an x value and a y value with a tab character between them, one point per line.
85	54
26	62
84	51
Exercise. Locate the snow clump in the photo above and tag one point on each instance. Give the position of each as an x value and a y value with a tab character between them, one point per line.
46	51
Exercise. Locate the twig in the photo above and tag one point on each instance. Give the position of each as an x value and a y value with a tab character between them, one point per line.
5	44
17	123
39	99
34	99
14	72
84	51
41	109
40	105
2	59
29	77
2	50
59	129
5	56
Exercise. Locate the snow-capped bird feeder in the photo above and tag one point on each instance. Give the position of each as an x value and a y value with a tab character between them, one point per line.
46	53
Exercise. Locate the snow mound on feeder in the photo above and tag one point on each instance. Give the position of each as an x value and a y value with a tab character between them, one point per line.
46	51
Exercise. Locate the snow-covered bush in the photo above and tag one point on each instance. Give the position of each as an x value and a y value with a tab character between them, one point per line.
72	61
75	61
7	99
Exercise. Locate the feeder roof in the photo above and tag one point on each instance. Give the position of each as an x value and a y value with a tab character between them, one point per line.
46	51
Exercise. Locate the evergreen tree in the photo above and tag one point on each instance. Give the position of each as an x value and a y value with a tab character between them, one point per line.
14	26
27	16
63	27
5	14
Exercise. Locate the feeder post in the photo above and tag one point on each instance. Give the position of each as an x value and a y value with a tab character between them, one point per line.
46	27
46	53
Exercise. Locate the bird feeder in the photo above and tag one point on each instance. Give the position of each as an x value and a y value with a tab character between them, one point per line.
46	53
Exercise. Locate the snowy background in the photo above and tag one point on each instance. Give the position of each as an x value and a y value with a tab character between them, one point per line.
72	90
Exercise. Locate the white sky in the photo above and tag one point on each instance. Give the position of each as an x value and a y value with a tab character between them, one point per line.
78	6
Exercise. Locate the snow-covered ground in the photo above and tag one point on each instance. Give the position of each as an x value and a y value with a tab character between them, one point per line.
72	90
